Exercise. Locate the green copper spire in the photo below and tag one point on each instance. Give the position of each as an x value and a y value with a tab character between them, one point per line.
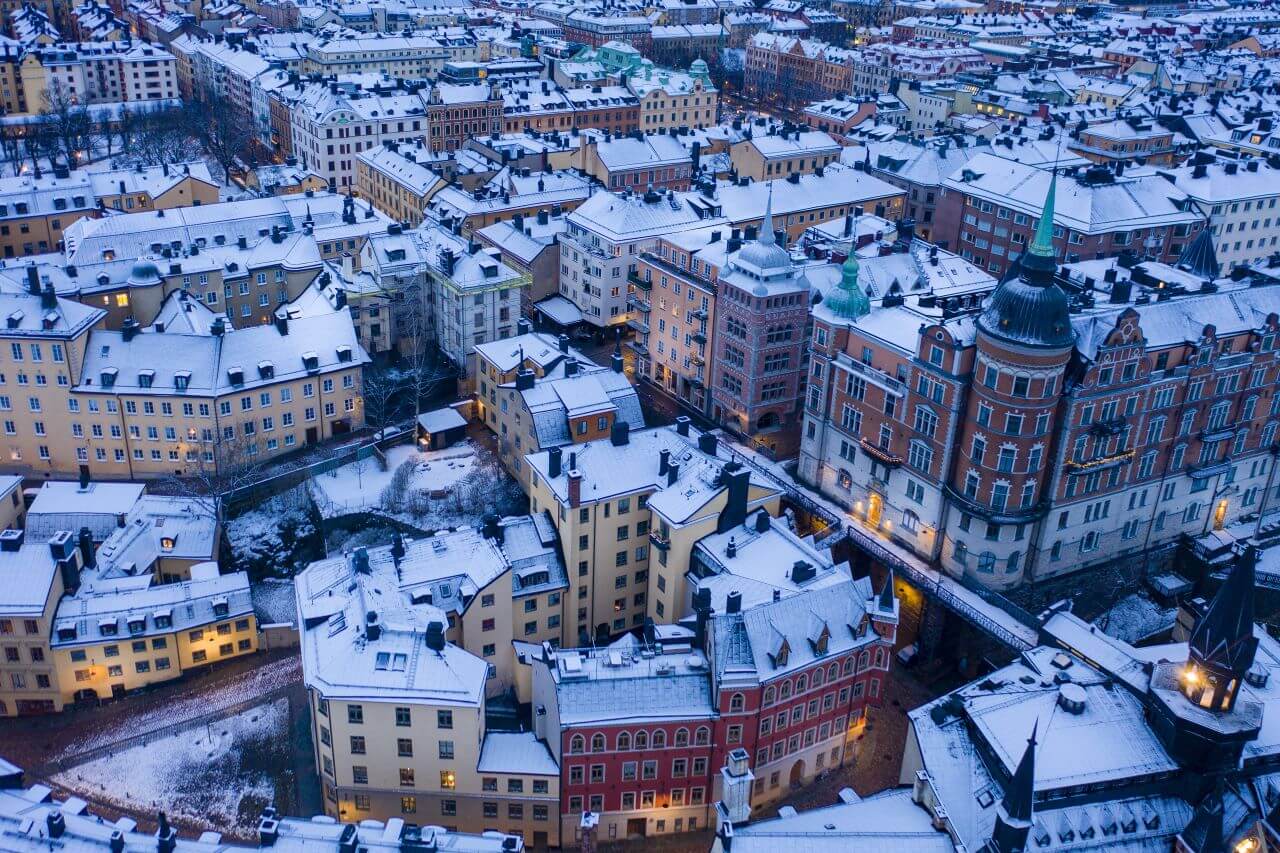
1042	242
849	300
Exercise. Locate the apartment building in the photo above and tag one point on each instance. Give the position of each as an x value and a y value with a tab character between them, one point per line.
512	191
875	66
456	113
417	56
1029	475
637	162
536	392
839	115
606	235
333	123
398	179
399	717
673	301
105	72
671	99
987	211
1237	199
801	201
782	151
642	728
757	383
109	641
792	71
629	510
83	636
531	246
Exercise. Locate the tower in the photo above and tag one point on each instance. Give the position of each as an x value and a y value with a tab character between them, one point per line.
1198	710
1024	343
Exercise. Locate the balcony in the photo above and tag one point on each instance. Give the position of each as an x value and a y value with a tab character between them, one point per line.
1114	426
1098	463
638	346
697	358
635	279
1209	469
639	325
699	337
638	302
1217	433
659	541
878	453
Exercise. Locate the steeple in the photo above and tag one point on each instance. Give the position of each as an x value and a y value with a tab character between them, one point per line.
1029	308
766	235
1222	644
1042	242
1013	817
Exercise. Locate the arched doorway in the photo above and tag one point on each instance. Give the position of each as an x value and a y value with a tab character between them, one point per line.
86	696
875	510
797	774
768	420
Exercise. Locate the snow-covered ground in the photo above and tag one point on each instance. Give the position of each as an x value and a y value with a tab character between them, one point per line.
218	774
190	705
359	486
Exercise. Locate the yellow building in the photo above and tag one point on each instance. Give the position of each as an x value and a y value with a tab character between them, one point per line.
629	511
34	573
782	151
111	640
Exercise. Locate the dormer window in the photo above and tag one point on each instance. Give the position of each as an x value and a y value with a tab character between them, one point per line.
167	543
182	379
137	624
145	378
108	377
310	361
266	369
344	353
235	375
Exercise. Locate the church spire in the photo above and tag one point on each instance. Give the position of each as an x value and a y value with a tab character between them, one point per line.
1013	817
1042	241
766	235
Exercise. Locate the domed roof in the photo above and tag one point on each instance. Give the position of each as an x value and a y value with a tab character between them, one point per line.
764	253
1030	309
144	270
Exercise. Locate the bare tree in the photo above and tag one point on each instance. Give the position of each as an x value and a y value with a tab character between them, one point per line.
224	466
223	131
380	390
418	352
68	122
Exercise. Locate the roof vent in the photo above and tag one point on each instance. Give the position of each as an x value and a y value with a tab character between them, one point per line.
1071	698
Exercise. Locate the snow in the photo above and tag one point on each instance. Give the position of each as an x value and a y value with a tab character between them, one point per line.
1137	617
189	706
202	775
359	486
511	752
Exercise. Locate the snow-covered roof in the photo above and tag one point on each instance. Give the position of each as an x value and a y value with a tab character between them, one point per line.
749	644
102	610
1136	200
440	420
25	815
518	753
336	595
616	685
553	401
889	820
64	505
608	469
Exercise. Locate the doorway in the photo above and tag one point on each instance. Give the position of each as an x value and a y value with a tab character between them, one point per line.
875	510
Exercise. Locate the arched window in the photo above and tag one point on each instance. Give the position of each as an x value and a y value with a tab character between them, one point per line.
642	740
682	737
737	702
768	696
597	742
817	676
1014	560
847	669
660	739
987	562
784	692
624	741
802	683
880	656
702	737
910	521
577	745
833	672
864	660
